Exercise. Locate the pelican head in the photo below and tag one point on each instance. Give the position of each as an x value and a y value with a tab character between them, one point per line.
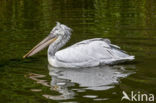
58	36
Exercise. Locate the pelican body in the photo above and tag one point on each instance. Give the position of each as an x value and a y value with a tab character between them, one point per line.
87	53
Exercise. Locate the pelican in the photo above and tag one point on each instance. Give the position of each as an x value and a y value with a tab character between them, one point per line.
87	53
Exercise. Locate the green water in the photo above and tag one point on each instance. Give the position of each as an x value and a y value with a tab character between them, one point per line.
130	24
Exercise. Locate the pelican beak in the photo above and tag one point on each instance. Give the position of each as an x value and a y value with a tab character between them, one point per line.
40	46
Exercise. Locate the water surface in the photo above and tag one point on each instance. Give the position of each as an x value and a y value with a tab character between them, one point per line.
128	24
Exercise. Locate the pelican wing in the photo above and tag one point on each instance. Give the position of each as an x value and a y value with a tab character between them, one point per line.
97	50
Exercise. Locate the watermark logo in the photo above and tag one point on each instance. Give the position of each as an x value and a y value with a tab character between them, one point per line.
137	96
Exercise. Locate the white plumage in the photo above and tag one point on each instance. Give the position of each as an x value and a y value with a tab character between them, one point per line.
89	53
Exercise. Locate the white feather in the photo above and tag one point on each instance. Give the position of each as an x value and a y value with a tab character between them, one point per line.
88	53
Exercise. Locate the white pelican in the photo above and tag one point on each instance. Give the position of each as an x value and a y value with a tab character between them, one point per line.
87	53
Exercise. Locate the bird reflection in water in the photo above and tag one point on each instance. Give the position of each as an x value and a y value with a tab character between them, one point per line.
97	78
